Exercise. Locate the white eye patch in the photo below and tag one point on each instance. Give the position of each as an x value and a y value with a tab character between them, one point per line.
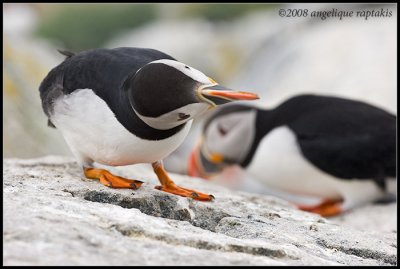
187	70
174	118
239	132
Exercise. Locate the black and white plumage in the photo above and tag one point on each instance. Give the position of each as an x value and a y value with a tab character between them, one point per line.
126	105
328	147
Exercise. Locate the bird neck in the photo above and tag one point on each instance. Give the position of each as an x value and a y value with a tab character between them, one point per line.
264	123
130	120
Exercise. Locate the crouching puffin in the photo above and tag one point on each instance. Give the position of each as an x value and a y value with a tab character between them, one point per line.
126	106
342	151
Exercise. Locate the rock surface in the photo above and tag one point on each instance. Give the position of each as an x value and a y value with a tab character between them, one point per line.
53	216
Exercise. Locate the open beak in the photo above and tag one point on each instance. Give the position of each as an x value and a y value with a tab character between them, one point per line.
218	95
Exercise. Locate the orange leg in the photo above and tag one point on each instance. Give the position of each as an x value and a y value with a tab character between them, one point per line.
168	185
109	180
327	208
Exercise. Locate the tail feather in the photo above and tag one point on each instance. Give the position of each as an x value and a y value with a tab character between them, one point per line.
50	124
66	53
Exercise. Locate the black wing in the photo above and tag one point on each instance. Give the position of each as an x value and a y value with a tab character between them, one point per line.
346	138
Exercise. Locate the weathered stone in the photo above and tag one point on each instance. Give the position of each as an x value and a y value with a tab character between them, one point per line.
53	216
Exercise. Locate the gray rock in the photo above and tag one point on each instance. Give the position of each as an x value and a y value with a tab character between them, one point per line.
53	216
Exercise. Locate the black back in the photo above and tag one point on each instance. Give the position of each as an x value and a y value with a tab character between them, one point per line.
105	72
345	138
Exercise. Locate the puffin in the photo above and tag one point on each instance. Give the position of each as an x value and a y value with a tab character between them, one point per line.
128	105
338	150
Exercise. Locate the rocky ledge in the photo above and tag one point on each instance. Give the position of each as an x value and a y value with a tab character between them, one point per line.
53	216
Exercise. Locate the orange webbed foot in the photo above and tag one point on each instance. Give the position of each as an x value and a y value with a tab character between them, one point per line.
169	186
174	189
110	180
326	208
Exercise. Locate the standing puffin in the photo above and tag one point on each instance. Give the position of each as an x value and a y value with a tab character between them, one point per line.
340	150
126	106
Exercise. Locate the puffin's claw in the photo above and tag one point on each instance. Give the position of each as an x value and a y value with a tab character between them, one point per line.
159	187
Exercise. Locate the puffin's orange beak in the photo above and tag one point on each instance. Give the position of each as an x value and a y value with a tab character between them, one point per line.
193	166
202	166
218	95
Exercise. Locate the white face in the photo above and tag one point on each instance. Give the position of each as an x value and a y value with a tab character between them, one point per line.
172	119
231	135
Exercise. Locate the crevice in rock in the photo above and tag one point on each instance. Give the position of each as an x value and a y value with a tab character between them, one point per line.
362	252
160	205
163	206
201	244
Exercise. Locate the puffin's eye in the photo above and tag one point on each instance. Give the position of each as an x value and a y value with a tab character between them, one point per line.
183	116
187	67
221	130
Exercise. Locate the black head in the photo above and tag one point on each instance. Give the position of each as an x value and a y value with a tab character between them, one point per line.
167	93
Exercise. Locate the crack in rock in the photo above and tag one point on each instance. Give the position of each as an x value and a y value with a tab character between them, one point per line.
201	244
361	252
160	205
165	206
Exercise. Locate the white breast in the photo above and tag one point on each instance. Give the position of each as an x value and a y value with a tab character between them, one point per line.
94	134
279	163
